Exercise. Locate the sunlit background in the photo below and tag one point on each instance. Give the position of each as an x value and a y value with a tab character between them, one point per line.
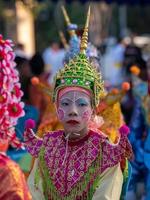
36	23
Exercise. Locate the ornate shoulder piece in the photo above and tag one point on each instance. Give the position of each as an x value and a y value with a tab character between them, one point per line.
113	154
124	143
32	142
51	138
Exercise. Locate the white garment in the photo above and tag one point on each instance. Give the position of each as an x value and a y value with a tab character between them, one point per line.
110	185
113	69
53	61
20	53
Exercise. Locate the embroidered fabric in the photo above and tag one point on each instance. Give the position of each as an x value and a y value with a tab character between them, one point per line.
65	174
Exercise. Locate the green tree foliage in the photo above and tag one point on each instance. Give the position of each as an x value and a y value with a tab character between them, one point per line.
139	19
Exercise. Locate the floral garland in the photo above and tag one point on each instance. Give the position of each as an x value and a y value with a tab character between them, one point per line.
11	107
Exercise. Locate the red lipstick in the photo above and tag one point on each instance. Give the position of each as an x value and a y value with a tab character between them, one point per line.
72	122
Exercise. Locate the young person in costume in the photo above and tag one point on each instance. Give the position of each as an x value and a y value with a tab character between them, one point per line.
77	163
12	181
109	116
49	121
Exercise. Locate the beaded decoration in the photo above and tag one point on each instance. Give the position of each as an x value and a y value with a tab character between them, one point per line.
79	72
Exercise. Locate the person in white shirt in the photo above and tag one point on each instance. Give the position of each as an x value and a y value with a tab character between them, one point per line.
53	57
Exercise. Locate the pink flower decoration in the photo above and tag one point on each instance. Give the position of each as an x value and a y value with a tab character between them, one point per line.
14	109
2	55
2	111
17	92
10	93
3	97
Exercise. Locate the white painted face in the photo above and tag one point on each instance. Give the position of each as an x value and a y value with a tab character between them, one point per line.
74	111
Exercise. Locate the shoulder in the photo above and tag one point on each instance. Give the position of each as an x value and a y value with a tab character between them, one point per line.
52	136
99	134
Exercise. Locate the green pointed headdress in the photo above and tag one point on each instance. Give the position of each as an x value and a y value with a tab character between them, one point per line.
80	73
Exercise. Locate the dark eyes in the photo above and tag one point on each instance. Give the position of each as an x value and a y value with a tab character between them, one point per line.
64	104
82	104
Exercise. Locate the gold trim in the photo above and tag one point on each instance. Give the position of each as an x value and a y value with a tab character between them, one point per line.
84	40
67	19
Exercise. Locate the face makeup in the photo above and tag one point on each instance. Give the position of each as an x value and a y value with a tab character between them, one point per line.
74	111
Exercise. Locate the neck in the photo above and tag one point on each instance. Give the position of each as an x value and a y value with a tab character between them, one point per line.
76	135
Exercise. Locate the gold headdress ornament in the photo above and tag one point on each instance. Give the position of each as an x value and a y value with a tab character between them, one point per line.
79	72
84	40
71	32
63	40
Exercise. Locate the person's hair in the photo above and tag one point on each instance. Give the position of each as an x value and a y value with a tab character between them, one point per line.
37	64
19	61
